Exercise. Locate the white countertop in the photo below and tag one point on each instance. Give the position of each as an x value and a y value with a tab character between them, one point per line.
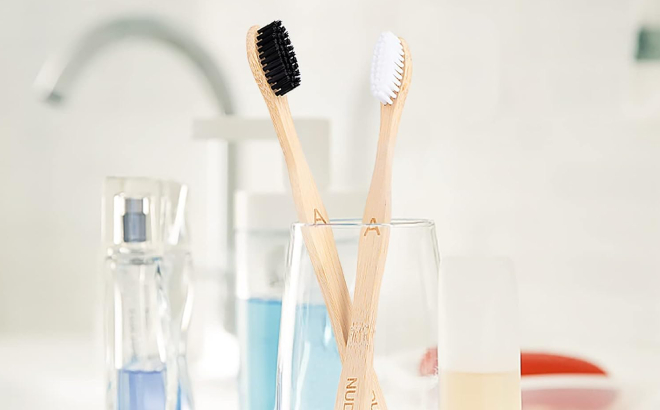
67	373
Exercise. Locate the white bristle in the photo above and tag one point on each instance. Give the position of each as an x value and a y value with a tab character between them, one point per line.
387	68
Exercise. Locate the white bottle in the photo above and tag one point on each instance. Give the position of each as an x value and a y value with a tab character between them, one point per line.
478	348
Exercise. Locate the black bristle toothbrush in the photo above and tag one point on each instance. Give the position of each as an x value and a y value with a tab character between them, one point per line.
275	70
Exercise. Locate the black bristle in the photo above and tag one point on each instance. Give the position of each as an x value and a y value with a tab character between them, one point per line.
278	58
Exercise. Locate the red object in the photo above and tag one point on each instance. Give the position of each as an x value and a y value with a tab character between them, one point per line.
531	364
534	364
429	364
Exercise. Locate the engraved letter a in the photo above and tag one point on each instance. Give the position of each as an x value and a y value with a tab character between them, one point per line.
318	217
375	228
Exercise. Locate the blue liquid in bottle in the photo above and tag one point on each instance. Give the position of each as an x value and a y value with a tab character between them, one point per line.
259	333
316	363
141	390
145	390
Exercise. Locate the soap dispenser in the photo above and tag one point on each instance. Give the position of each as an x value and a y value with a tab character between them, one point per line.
262	232
263	211
257	222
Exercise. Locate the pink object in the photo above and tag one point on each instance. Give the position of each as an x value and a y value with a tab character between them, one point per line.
556	392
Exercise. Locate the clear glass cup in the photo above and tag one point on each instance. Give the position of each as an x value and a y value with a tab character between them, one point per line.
405	341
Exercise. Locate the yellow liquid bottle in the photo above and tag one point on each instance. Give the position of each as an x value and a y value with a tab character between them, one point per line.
478	348
479	391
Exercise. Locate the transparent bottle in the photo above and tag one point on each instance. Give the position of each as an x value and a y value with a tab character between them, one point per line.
262	239
258	316
146	306
260	266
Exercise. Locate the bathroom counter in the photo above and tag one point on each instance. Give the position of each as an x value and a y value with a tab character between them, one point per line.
67	373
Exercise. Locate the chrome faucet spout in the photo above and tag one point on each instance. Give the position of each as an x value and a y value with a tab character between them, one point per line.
57	76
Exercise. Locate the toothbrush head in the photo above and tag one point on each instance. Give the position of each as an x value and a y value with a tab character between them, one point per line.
387	68
277	58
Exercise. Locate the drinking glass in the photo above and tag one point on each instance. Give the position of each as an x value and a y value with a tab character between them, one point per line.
405	358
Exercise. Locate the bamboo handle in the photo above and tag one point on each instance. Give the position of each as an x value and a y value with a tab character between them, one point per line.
319	240
355	383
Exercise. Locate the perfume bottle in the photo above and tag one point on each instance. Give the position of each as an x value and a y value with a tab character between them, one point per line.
147	305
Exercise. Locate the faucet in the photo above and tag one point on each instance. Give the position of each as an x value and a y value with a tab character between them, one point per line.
58	74
56	77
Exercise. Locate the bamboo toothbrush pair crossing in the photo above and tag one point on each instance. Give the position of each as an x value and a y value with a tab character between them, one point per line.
275	70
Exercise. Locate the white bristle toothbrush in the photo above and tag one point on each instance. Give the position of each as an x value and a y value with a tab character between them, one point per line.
275	70
391	72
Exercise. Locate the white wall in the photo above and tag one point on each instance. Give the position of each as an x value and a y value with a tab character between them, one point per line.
519	139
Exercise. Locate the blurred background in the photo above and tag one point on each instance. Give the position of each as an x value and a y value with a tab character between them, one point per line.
531	132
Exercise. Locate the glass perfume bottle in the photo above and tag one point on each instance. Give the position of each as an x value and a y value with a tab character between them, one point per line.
147	305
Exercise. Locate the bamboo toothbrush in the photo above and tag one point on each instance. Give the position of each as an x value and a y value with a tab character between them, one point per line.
275	70
391	72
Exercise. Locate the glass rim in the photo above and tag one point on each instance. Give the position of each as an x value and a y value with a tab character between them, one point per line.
357	223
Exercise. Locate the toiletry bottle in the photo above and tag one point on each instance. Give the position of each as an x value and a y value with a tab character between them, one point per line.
260	254
478	348
259	214
141	349
262	224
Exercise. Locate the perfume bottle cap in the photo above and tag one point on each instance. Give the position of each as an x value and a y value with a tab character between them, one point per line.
144	213
135	219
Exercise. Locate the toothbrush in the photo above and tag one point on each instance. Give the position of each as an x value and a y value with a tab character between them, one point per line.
391	72
275	70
